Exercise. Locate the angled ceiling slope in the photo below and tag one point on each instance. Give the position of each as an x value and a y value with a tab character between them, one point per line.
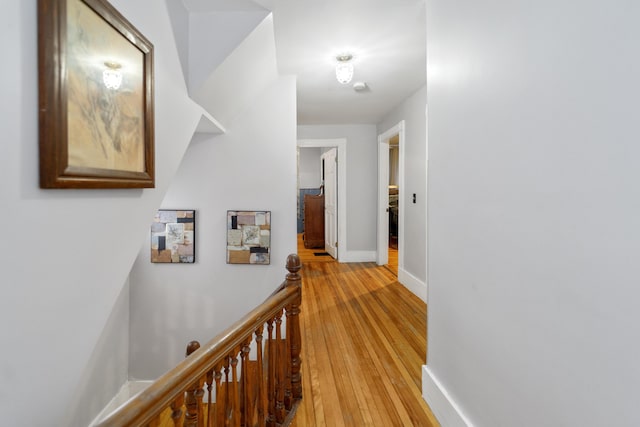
215	29
244	74
206	33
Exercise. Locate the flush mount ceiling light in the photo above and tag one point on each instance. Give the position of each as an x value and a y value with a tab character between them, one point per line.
344	68
112	76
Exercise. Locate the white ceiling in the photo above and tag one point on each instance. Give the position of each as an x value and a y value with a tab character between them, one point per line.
386	37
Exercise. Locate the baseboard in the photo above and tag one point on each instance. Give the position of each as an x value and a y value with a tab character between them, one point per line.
444	408
357	256
411	282
128	390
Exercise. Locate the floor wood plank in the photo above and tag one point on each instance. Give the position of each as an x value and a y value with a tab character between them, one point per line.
363	346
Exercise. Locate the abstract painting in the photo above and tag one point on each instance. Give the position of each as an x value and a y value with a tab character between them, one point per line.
173	235
248	237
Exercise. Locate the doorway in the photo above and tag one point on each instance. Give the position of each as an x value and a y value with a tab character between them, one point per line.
339	219
390	245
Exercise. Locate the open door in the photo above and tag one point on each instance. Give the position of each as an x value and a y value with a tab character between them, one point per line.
330	162
384	141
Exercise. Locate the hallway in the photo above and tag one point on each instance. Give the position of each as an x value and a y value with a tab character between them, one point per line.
363	341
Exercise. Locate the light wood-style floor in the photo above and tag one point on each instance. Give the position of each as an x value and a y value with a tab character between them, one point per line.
363	346
393	261
309	255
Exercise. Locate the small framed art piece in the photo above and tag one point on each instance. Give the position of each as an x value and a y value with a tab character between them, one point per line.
96	102
173	234
248	237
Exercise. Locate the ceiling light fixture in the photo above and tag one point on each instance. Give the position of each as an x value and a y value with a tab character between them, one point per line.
344	68
112	76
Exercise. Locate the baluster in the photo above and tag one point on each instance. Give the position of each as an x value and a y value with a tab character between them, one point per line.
155	422
227	395
279	362
261	401
245	389
176	408
200	404
216	409
271	375
293	325
234	388
209	396
194	395
295	346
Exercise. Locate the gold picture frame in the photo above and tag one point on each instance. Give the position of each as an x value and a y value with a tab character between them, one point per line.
96	98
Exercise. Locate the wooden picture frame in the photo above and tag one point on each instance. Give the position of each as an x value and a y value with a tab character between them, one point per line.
96	98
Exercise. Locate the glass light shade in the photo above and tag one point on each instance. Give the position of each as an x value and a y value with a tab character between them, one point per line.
344	72
112	76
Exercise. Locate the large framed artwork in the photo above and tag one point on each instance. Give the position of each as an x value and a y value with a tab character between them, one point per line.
96	111
248	237
173	236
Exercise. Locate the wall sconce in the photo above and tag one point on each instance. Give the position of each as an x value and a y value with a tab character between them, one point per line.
344	68
112	76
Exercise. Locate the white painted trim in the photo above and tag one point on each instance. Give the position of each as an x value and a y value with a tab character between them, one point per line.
341	143
411	282
444	408
383	201
402	205
383	143
358	256
426	186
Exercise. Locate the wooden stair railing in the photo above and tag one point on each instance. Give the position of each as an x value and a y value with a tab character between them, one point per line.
267	390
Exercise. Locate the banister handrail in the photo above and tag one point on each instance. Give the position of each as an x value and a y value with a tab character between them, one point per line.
145	406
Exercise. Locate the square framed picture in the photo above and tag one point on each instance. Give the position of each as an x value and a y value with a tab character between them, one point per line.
249	237
173	234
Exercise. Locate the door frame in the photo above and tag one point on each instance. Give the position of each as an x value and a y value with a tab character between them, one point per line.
341	145
382	257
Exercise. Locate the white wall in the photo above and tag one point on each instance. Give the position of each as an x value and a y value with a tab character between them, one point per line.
66	254
223	30
108	366
534	212
309	170
246	71
362	170
412	111
252	167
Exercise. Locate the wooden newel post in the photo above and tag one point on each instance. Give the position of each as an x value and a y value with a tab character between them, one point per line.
293	266
293	324
191	347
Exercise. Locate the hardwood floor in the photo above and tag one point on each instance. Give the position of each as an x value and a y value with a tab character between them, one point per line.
309	255
363	346
392	264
